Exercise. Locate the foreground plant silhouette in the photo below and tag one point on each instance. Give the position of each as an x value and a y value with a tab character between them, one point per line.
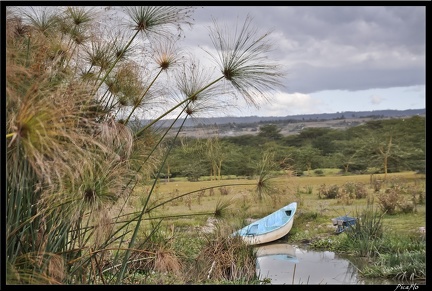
76	152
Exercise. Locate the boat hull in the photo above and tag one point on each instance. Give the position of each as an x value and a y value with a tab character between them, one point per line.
270	228
270	236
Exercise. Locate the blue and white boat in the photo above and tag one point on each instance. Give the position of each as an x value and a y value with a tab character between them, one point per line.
269	228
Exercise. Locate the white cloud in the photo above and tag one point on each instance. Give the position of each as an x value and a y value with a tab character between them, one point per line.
283	104
376	99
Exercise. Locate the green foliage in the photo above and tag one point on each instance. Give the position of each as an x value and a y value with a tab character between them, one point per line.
319	172
354	150
328	244
270	132
367	232
400	257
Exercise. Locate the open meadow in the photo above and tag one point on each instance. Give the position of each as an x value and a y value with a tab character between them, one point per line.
315	209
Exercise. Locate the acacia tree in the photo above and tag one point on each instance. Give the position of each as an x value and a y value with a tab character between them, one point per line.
307	157
270	132
381	144
411	148
216	153
348	153
74	86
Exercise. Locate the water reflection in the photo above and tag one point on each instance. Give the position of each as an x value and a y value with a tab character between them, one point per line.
283	263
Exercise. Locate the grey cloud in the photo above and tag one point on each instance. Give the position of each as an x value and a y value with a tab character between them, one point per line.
308	79
336	32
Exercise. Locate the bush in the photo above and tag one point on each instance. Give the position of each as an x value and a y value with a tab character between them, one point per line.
389	200
330	192
319	172
355	190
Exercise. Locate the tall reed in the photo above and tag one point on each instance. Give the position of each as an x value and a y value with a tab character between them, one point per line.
76	151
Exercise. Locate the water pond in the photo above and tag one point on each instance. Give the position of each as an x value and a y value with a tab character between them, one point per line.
282	263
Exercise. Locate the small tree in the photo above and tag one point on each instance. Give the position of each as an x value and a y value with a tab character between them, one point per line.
307	157
270	132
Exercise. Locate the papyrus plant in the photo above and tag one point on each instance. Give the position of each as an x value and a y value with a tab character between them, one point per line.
76	151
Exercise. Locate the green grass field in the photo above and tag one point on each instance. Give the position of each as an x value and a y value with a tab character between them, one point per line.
313	214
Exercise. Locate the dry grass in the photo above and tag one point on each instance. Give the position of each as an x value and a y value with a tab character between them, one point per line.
244	201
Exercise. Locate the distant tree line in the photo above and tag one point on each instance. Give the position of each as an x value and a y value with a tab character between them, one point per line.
377	146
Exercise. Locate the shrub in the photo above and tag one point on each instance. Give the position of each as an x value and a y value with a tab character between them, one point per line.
345	197
389	201
406	206
355	190
319	172
329	192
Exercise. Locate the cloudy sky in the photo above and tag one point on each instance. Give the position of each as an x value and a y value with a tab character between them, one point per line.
337	58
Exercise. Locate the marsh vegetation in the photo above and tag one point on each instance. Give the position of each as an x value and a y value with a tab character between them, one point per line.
388	242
